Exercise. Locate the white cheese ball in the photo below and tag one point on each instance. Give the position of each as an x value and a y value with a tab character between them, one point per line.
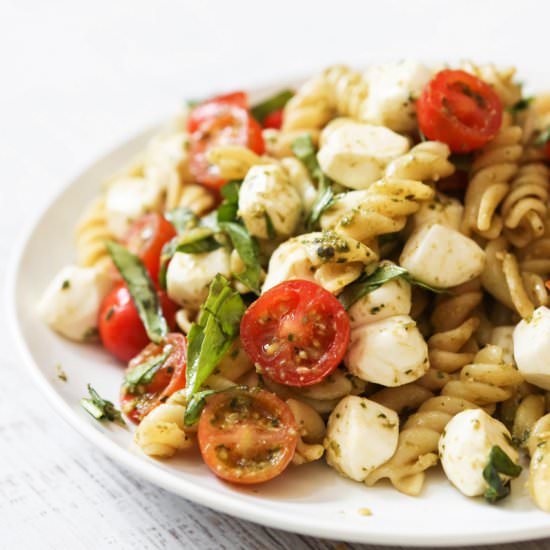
392	298
267	191
189	275
440	210
301	181
393	88
127	199
391	352
465	445
361	436
503	337
532	348
355	154
442	257
70	304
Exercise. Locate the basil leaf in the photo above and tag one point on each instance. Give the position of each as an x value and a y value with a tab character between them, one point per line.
227	211
304	150
271	234
521	105
270	105
142	290
144	373
181	218
166	254
230	191
247	248
198	401
544	137
100	408
212	335
197	240
367	283
499	463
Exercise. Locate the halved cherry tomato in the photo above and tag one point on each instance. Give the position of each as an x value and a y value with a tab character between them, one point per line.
247	436
274	120
296	332
460	110
146	238
164	370
120	328
221	121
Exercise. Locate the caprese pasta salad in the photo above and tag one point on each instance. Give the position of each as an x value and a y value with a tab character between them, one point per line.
353	271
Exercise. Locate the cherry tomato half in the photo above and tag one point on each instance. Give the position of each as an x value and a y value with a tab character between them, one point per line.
274	120
460	110
209	108
247	436
297	332
146	238
120	328
164	370
220	122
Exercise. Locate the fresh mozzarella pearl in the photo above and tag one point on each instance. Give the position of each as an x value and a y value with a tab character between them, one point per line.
127	199
503	337
189	275
70	304
355	154
532	348
267	192
361	435
441	210
442	257
391	352
465	445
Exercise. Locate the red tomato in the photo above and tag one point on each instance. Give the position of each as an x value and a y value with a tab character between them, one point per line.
460	110
274	120
221	121
165	364
547	149
146	238
247	436
297	333
120	328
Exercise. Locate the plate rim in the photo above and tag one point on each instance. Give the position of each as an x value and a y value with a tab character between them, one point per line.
187	489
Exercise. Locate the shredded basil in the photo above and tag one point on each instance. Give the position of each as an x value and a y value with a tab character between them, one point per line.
227	211
142	290
304	150
181	218
368	282
100	408
270	105
211	336
499	463
144	373
198	401
521	105
197	241
248	250
271	233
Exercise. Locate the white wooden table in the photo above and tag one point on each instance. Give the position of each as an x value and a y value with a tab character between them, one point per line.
78	77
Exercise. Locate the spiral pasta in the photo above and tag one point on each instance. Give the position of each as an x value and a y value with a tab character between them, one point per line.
190	195
539	471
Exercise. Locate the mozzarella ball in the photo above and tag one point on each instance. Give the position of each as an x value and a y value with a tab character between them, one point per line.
465	445
392	298
267	192
393	88
532	348
301	181
391	352
442	257
361	436
503	337
440	210
189	275
127	199
70	304
355	154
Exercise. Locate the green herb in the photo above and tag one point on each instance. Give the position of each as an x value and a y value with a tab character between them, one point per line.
462	162
369	282
60	373
247	248
304	150
271	233
100	408
499	463
66	284
144	373
227	211
212	335
521	105
167	253
197	241
544	137
181	218
270	105
198	401
142	290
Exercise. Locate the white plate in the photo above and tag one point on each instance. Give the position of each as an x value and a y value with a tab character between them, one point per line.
310	499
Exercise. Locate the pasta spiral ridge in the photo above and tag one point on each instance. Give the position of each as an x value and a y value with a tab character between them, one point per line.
190	195
539	470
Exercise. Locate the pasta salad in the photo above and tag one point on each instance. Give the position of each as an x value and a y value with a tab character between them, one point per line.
352	271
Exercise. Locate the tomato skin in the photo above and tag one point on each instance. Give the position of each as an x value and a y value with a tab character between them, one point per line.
167	380
460	110
208	109
274	120
120	328
256	432
146	238
296	332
